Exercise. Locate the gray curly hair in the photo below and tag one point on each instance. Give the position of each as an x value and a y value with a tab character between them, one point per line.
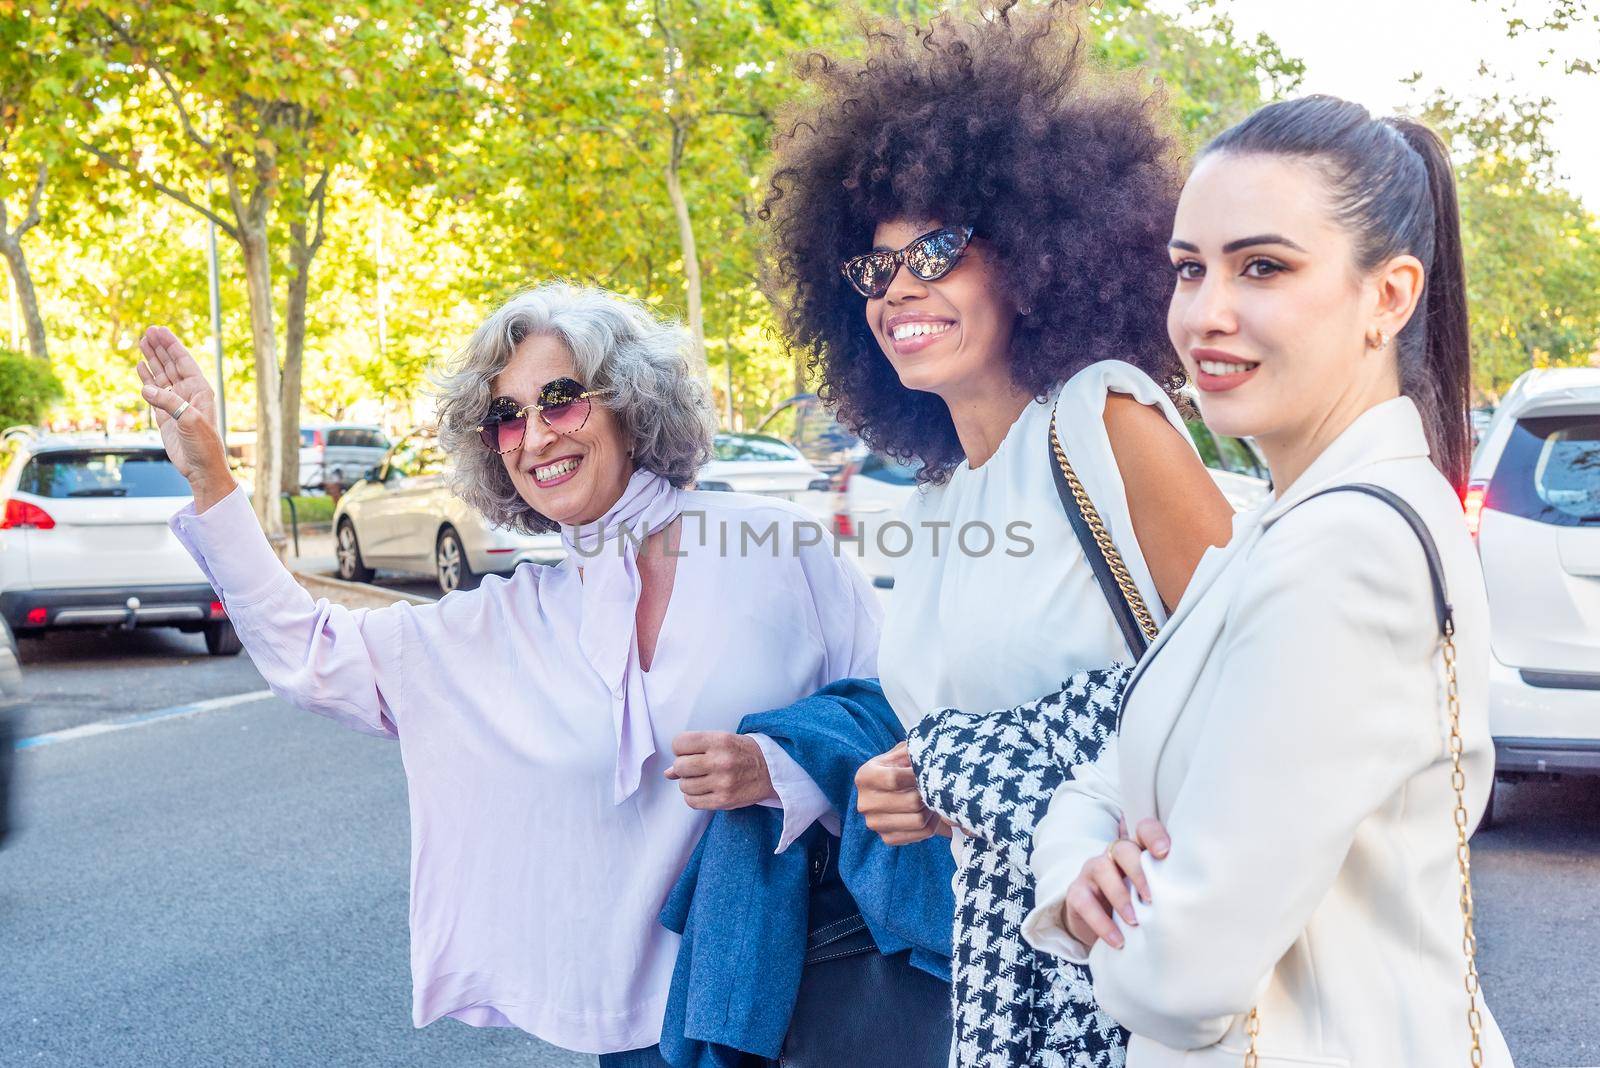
616	345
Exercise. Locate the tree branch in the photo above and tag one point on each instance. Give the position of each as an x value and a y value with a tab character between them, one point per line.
319	195
176	194
32	218
172	90
762	115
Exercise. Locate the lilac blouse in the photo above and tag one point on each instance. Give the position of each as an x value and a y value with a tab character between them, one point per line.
534	894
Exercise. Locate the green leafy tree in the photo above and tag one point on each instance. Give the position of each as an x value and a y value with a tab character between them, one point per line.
632	142
1532	250
1212	76
42	81
27	389
241	111
1572	28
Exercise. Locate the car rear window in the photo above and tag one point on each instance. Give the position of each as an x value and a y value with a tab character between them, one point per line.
102	473
727	447
887	469
1550	471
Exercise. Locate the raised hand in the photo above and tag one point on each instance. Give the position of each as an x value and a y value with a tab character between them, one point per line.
186	414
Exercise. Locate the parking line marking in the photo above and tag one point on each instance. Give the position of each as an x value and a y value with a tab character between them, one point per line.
140	719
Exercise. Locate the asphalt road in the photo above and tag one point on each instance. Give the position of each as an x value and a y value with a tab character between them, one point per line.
228	886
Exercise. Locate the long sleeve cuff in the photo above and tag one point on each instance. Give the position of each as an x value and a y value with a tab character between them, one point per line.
1063	842
801	799
227	542
1042	927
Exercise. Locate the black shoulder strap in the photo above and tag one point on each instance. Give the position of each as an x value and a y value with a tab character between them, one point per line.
1441	596
1121	611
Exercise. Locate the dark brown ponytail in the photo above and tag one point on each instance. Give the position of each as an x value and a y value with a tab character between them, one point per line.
1393	186
1439	377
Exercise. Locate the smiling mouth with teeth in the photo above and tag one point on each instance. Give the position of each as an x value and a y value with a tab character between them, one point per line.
908	330
1223	367
555	470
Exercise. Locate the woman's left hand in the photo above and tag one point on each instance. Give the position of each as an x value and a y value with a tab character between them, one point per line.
718	770
1101	891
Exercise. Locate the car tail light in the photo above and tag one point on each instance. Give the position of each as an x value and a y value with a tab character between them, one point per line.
37	617
217	611
1472	507
843	526
23	514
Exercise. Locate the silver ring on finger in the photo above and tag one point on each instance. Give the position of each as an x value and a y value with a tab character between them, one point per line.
181	409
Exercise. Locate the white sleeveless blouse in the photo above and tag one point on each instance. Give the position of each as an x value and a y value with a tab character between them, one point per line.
978	630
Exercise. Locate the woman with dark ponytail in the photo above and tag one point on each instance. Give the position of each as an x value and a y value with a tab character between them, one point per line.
1310	729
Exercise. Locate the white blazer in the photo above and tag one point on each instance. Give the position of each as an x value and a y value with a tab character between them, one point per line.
1289	728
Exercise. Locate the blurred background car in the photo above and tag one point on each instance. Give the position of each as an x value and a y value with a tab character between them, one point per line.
401	516
1479	419
805	422
763	464
868	493
1533	505
339	452
84	541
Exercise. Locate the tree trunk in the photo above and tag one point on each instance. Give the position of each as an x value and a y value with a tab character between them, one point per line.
691	257
294	347
269	407
22	284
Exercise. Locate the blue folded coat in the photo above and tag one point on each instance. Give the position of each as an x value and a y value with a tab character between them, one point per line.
742	909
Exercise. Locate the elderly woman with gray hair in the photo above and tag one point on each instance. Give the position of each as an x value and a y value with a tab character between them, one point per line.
564	731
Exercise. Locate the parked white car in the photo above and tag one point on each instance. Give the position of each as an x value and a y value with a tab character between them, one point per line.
760	463
84	541
406	519
1534	506
339	452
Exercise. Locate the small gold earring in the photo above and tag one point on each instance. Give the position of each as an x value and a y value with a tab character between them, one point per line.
1383	339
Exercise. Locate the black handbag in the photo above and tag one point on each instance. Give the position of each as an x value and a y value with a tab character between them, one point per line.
857	1007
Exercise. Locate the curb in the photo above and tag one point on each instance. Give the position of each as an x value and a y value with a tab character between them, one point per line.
355	594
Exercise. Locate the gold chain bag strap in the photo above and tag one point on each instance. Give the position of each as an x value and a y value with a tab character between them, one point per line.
1458	777
1133	615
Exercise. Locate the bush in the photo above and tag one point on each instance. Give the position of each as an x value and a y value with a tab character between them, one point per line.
27	389
310	509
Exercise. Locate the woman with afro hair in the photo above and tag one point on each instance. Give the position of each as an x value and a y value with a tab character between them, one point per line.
969	232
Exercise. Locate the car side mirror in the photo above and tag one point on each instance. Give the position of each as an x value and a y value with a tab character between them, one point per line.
372	475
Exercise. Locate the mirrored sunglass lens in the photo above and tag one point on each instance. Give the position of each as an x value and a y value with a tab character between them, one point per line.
872	274
509	434
934	255
568	416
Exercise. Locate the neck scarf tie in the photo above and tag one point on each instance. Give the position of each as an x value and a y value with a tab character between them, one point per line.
608	633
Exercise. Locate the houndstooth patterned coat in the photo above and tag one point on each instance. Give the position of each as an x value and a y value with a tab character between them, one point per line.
992	774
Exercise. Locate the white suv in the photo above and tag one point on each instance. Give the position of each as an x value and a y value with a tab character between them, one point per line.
84	541
1534	507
